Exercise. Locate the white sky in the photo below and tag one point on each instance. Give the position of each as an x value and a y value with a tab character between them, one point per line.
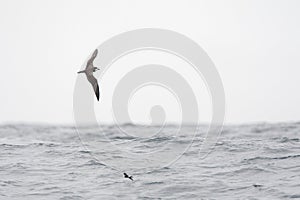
255	46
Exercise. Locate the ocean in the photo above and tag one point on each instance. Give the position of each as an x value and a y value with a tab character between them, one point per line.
250	161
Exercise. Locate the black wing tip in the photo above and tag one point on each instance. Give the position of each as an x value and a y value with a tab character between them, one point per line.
97	92
97	95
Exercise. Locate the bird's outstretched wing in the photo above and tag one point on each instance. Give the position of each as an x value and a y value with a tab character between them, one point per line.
91	60
94	83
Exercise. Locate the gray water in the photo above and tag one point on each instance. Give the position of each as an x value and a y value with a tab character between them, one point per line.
257	161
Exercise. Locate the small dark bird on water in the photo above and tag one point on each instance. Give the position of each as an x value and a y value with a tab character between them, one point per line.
126	176
257	185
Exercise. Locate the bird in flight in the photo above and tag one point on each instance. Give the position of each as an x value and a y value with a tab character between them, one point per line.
126	176
89	69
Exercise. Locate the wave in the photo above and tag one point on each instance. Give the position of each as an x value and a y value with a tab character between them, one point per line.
272	158
6	142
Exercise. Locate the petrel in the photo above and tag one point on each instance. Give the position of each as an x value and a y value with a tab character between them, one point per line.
89	69
126	176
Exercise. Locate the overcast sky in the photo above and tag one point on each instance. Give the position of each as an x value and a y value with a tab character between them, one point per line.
255	46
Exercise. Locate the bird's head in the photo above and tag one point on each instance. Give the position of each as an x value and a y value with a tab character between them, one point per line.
96	68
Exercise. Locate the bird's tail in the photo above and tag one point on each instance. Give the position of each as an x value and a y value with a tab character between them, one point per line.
83	71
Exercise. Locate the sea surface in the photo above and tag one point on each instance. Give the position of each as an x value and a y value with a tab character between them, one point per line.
251	161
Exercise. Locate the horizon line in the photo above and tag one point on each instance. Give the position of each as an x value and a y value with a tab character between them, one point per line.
204	123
